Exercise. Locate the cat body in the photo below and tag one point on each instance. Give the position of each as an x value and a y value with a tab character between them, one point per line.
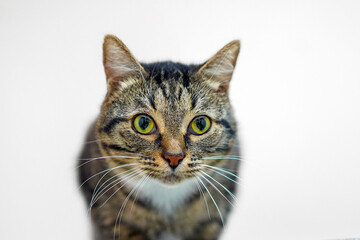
161	160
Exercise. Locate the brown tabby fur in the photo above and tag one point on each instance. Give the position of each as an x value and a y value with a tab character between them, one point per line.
172	94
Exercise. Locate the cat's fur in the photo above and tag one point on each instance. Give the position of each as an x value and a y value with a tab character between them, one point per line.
144	198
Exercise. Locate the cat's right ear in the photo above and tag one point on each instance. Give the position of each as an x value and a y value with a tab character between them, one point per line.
120	65
218	70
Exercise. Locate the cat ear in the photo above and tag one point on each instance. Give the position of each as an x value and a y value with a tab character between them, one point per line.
119	63
217	71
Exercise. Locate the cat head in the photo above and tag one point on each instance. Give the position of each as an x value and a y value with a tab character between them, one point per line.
163	119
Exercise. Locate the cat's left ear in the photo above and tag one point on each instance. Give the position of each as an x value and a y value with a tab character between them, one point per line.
218	70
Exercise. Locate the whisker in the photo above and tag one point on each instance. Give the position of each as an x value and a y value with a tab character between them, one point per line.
229	155
227	190
97	184
96	194
128	178
213	200
111	156
139	189
221	158
203	195
215	171
124	205
102	158
93	200
221	169
201	175
235	157
227	169
108	170
96	191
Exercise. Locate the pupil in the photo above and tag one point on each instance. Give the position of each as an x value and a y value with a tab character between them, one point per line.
200	124
144	122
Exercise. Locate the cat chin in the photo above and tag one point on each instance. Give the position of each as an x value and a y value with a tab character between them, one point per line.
172	179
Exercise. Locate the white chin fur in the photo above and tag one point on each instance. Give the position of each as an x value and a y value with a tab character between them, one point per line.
166	198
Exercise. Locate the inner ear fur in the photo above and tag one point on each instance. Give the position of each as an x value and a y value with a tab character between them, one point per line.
119	63
218	70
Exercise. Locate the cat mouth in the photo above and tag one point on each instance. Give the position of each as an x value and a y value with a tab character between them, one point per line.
172	178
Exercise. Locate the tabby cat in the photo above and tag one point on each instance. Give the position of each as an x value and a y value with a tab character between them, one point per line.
161	160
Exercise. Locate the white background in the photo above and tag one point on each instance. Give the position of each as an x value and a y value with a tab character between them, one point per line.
296	92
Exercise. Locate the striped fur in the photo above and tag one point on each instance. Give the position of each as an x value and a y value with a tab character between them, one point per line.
132	191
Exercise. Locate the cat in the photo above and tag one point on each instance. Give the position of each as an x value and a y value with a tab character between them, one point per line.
161	160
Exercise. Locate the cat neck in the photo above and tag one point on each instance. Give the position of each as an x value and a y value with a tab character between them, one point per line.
164	197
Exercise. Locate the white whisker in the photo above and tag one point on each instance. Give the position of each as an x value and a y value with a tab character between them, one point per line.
222	169
108	170
227	190
112	156
203	195
103	191
97	184
201	175
139	189
213	200
215	171
128	178
124	205
236	157
102	158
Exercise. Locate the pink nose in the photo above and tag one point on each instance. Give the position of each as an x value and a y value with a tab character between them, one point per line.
173	159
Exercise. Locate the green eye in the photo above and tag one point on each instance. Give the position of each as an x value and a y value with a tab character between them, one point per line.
200	125
144	124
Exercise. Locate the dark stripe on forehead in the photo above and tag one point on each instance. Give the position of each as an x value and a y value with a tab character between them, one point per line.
152	102
163	71
194	100
164	90
107	129
180	93
186	80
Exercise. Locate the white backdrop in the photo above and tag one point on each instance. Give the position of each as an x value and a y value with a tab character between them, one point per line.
296	92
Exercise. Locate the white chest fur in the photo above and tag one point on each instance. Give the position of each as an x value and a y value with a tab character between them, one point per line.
166	198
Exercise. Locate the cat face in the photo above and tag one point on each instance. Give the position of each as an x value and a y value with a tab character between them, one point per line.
166	117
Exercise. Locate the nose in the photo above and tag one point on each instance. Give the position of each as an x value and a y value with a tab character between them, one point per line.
173	159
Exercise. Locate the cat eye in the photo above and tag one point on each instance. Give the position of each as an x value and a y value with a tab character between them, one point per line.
200	125
144	124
